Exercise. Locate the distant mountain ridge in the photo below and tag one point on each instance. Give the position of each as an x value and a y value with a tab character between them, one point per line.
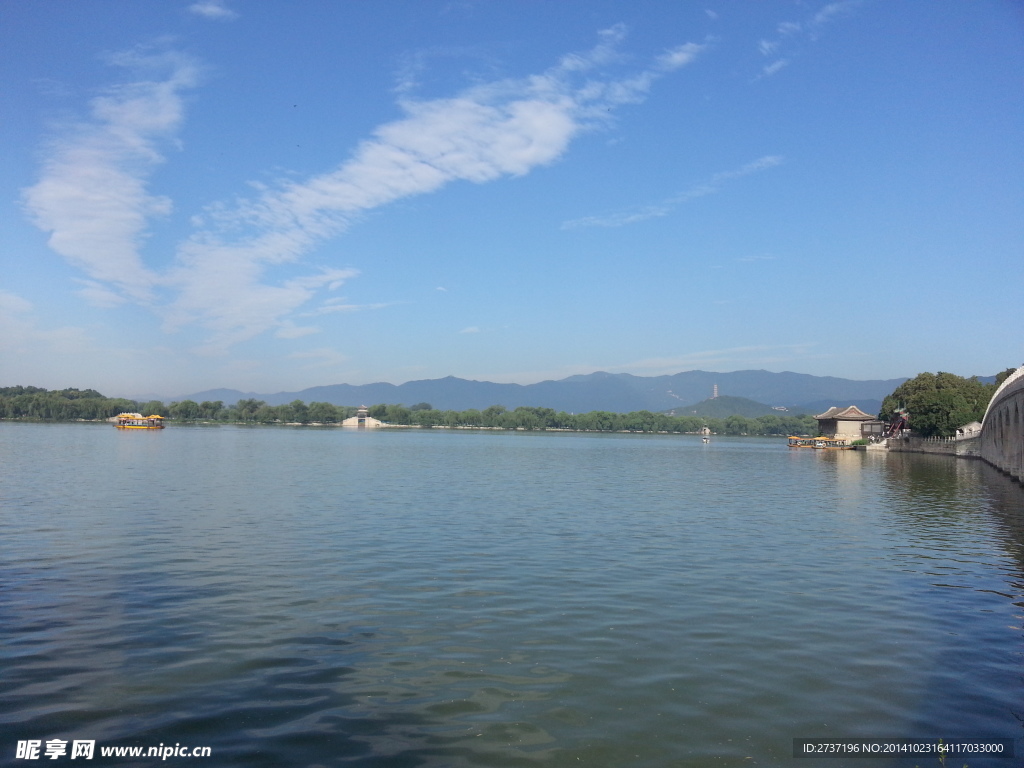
724	406
600	391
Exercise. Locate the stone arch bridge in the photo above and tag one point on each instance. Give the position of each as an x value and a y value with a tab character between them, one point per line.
1002	431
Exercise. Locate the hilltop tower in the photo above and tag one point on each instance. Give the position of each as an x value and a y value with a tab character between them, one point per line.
714	395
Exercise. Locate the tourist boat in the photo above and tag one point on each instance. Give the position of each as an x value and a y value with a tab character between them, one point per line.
138	421
831	443
818	442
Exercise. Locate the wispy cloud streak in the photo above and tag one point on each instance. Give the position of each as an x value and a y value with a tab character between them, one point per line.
93	196
789	31
490	131
764	354
213	9
666	206
21	333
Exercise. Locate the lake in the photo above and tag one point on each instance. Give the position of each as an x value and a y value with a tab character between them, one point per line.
329	597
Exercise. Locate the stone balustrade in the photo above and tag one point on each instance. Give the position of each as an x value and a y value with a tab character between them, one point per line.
1002	432
950	446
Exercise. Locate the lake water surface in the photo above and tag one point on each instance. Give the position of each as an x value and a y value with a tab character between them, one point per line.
329	597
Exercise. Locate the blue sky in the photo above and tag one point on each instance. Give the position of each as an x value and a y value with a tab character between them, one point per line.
275	195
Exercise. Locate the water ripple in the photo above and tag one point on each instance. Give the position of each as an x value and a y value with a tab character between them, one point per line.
324	597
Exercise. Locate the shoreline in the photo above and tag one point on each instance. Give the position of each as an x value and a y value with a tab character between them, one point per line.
331	425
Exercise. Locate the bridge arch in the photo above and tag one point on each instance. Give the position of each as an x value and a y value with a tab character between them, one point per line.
1002	434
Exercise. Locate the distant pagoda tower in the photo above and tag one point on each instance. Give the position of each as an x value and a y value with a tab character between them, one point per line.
714	396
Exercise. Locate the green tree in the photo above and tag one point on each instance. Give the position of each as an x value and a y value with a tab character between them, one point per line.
431	418
1003	376
738	425
296	410
78	394
492	415
211	409
20	390
472	418
324	413
154	408
396	414
267	414
246	410
186	410
599	421
939	403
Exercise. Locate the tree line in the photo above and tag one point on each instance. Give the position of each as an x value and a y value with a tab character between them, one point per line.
531	418
494	417
938	404
60	405
74	404
89	405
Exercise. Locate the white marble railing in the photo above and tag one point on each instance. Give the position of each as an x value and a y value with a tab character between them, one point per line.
1011	382
1002	431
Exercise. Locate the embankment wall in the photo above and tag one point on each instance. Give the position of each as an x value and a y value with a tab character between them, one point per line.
969	447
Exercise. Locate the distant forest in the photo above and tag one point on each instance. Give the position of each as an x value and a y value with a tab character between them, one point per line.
60	405
73	404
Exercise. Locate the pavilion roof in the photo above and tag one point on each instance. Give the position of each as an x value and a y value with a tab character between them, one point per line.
850	413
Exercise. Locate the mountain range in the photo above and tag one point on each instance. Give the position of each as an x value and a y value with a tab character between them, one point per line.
723	406
601	391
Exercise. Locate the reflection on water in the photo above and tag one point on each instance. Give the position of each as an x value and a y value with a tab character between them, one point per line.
326	597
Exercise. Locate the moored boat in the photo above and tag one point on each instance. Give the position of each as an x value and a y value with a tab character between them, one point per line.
138	421
818	442
831	443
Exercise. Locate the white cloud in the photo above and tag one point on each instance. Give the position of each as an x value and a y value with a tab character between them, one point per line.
336	306
679	56
830	13
290	330
620	218
761	164
213	9
789	33
322	357
13	305
99	295
709	187
94	198
504	128
470	329
222	290
770	69
21	333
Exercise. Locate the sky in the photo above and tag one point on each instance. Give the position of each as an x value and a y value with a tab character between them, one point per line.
271	195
